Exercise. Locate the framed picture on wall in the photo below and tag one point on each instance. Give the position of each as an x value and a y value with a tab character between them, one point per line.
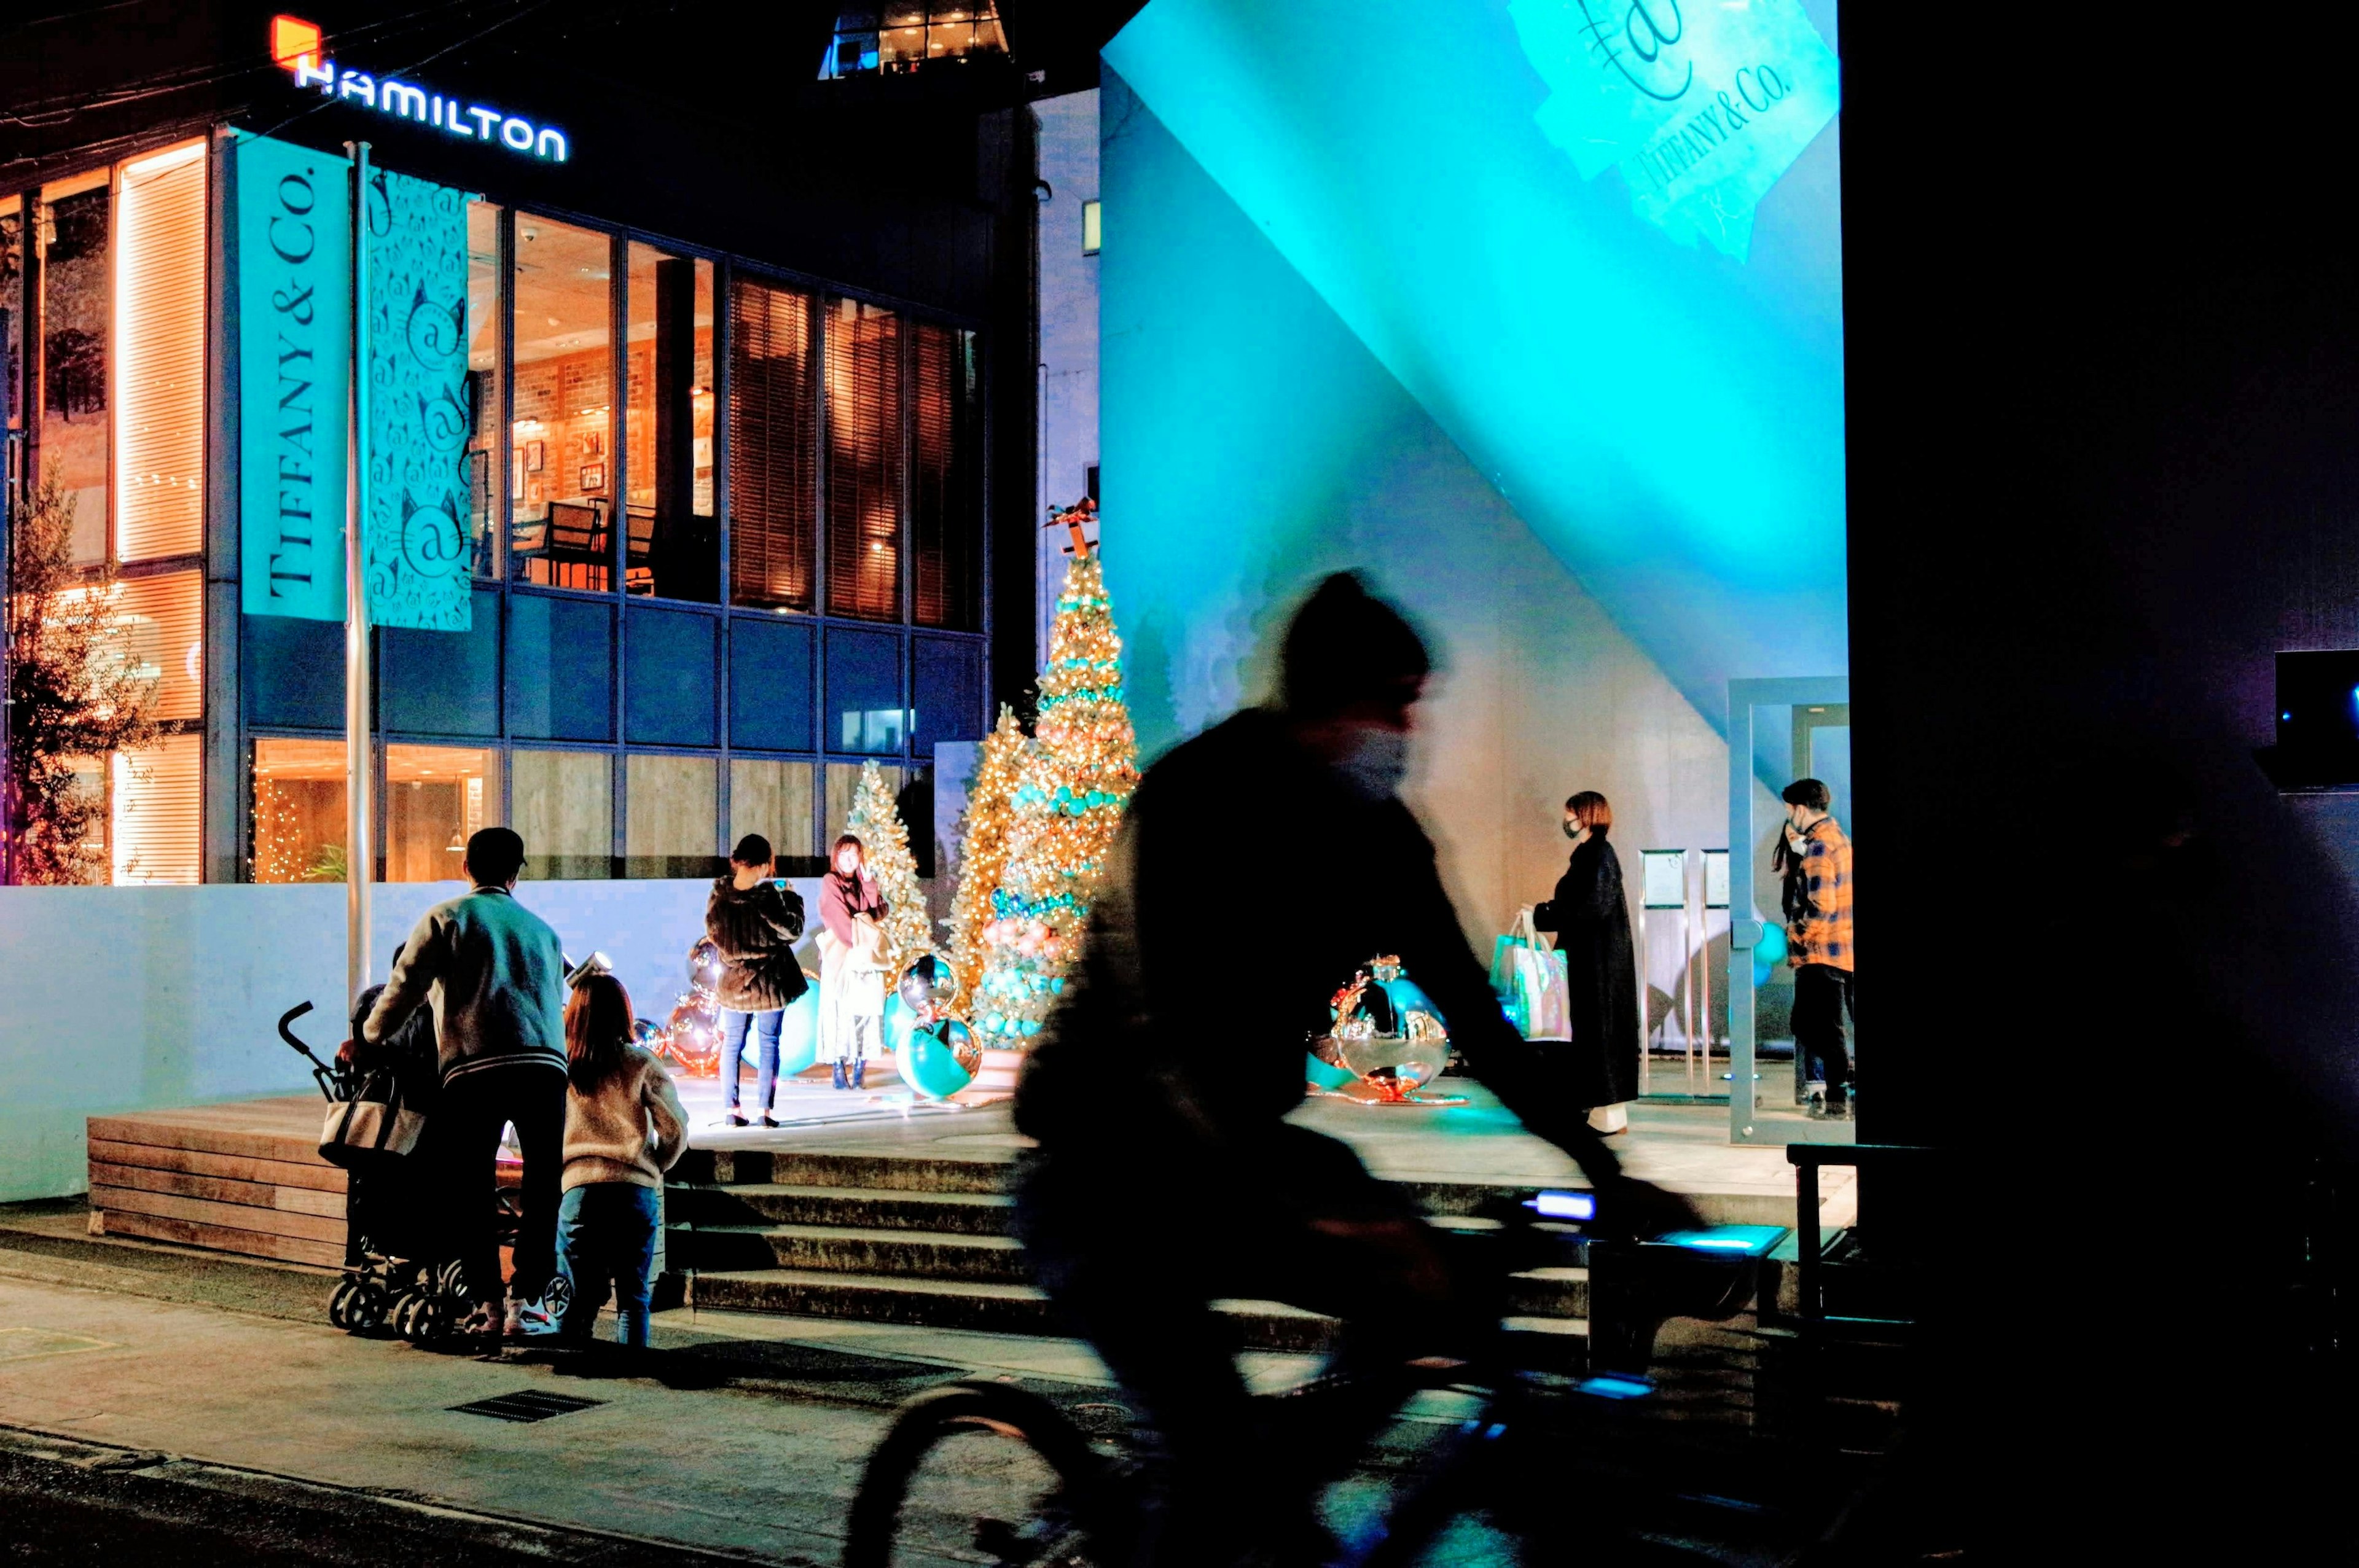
593	478
536	456
594	444
534	491
516	473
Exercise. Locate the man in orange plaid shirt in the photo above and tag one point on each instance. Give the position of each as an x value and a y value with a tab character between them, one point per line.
1817	865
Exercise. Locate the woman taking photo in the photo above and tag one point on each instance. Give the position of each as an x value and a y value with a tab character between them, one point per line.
851	964
1591	922
623	1129
754	922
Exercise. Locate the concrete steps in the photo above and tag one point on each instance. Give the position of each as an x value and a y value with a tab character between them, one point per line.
924	1240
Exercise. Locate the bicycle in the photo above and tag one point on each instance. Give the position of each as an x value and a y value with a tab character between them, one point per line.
1088	1498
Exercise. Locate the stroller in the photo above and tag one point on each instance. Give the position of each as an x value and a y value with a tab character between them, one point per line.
401	1264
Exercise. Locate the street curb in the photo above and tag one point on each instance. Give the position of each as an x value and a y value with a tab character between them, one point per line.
205	1492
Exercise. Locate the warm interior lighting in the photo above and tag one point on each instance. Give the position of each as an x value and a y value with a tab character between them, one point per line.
159	335
159	801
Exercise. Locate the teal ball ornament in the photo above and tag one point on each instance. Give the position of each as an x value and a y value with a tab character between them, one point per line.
799	1033
1768	954
941	1059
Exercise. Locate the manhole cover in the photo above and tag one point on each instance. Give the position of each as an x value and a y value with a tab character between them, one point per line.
529	1404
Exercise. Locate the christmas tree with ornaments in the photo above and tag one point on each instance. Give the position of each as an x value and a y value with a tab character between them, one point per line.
1072	788
876	821
986	835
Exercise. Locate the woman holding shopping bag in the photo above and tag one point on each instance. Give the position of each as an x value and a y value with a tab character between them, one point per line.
851	964
1591	921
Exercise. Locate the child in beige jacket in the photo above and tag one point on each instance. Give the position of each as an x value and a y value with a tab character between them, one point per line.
623	1129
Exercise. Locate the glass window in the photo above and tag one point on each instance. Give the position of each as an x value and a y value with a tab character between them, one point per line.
155	827
668	677
560	463
947	704
774	799
77	313
865	711
946	514
443	683
864	461
770	684
12	310
773	449
675	542
165	617
561	674
434	797
485	480
299	811
562	803
159	328
672	821
292	673
843	782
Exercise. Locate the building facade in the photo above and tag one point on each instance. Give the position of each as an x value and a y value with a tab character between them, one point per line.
736	414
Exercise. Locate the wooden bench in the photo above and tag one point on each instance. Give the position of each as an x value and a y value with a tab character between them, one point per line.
244	1178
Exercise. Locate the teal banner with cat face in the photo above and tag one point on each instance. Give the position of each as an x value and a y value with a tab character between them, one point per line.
420	407
293	236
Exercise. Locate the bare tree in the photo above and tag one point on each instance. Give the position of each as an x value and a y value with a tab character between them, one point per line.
77	693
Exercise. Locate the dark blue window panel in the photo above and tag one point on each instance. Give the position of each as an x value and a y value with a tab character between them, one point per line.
443	683
770	684
949	696
865	711
560	666
293	672
668	677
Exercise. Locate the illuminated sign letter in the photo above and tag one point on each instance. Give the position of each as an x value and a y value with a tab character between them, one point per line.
551	137
401	100
357	84
516	132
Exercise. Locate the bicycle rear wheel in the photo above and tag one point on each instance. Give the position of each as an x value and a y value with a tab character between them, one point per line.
983	1473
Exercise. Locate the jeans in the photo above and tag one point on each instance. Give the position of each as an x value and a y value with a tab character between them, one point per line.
530	1096
732	1051
1821	1008
608	1231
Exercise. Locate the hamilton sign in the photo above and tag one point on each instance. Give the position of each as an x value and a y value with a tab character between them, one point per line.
296	44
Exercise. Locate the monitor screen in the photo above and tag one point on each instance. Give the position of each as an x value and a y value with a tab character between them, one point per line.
2318	701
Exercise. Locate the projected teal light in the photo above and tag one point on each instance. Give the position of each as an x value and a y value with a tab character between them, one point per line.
1666	417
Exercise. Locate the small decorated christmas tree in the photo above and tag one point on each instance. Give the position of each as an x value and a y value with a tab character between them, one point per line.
985	838
876	821
1070	797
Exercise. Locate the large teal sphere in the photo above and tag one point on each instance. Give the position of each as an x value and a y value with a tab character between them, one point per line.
939	1061
799	1033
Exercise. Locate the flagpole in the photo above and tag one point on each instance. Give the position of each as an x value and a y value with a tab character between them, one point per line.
360	858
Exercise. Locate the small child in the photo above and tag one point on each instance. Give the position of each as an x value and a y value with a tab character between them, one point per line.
623	1127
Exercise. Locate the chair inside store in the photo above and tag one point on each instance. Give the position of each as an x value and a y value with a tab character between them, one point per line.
638	567
569	548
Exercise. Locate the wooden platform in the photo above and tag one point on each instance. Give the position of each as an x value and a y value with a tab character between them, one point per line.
245	1177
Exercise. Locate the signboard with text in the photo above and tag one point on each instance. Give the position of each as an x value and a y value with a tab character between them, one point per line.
294	296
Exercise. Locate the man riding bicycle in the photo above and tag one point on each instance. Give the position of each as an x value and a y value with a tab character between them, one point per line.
1258	863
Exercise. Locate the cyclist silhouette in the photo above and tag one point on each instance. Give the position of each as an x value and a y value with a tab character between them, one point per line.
1166	1175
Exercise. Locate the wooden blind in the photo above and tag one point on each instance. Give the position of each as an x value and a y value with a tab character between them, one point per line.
163	617
159	333
946	523
773	449
864	461
159	805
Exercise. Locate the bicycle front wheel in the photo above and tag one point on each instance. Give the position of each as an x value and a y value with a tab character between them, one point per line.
984	1472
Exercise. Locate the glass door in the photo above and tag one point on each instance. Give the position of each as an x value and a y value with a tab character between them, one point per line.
1778	731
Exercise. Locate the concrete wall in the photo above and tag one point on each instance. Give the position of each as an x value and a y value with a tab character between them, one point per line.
130	998
1069	325
1252	444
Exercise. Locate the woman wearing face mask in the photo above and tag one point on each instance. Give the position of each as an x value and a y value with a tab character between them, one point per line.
851	964
1591	922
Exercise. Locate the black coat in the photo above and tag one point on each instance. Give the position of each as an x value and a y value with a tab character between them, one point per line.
755	929
1591	921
